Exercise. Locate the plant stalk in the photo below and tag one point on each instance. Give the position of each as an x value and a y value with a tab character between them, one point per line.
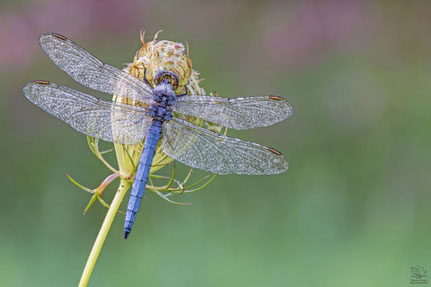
109	218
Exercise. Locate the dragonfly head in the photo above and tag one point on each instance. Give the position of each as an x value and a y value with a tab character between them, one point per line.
167	77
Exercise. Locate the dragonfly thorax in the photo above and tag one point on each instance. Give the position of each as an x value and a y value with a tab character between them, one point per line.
164	96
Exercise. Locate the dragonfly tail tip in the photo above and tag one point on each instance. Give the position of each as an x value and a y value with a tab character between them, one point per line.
126	234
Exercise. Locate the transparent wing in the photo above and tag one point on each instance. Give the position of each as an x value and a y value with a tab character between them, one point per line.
200	148
235	113
90	71
106	120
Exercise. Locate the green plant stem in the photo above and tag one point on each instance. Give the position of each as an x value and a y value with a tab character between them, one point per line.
109	218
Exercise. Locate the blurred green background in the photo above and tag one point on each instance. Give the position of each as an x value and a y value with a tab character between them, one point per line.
354	207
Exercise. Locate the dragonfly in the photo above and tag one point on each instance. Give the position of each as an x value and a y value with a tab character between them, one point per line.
162	119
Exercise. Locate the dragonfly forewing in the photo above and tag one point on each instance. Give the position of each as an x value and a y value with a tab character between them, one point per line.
235	113
92	72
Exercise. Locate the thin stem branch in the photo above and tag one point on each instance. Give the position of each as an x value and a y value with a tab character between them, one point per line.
109	218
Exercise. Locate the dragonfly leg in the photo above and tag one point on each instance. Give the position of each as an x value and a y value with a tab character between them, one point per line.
145	77
186	92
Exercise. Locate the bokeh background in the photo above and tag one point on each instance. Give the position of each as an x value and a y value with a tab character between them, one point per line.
354	207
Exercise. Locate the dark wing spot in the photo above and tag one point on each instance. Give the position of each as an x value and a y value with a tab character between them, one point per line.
276	98
42	82
273	150
61	37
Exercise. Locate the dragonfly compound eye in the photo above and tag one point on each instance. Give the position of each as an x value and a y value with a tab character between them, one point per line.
167	77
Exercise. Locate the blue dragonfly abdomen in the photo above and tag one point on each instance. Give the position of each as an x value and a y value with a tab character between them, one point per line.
142	173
